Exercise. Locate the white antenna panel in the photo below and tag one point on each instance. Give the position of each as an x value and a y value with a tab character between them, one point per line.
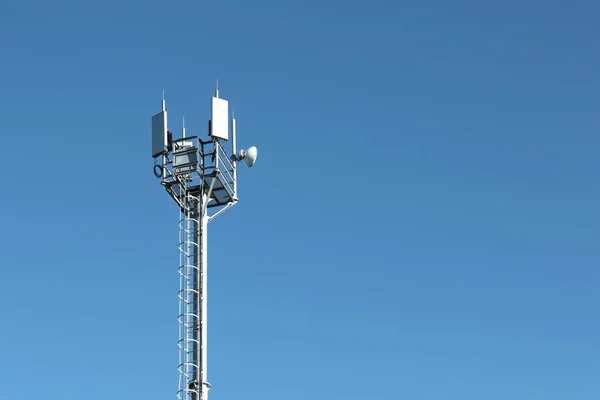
159	133
220	119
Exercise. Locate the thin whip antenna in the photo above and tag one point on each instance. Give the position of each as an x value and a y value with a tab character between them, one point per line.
233	136
183	129
217	89
163	100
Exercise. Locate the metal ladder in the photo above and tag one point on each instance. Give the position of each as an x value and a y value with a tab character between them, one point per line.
189	315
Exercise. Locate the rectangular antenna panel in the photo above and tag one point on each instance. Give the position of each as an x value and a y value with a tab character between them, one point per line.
159	133
220	119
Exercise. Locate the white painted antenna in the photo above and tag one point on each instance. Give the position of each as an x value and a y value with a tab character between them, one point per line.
233	152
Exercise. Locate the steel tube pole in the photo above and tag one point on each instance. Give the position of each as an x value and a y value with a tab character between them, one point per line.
195	230
204	385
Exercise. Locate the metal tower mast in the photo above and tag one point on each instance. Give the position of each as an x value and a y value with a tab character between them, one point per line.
201	177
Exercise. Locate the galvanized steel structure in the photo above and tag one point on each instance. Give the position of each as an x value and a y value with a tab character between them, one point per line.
201	176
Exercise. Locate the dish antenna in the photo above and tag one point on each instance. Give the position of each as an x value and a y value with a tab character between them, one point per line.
248	156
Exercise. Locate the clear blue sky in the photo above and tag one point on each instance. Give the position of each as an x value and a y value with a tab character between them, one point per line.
422	222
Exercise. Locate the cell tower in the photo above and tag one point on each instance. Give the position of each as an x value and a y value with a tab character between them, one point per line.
202	179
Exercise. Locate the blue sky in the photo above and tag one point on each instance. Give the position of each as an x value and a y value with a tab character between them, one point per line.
422	221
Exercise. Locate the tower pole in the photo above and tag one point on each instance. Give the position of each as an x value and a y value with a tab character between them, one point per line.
195	281
204	385
198	380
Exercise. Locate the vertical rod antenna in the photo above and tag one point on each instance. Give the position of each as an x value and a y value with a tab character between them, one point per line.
233	132
164	157
183	128
233	152
217	89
